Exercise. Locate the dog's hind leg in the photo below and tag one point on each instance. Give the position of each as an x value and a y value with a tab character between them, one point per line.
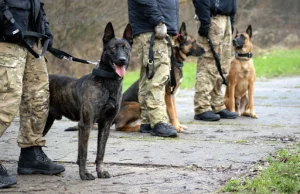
83	138
49	123
103	133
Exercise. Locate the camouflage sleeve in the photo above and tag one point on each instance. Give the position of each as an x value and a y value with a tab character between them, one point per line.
151	11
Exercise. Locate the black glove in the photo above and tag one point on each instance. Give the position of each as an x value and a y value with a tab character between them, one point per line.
203	30
12	32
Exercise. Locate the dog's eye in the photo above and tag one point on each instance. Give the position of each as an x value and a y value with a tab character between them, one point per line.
113	48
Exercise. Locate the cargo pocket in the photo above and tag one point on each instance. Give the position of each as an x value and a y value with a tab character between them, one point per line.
8	73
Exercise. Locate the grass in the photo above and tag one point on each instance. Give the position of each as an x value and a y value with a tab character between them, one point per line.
281	176
273	64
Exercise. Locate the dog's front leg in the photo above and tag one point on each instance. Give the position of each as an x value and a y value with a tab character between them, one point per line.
251	100
171	110
83	135
231	97
103	133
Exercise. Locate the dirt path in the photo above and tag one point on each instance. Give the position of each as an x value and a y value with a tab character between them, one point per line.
199	161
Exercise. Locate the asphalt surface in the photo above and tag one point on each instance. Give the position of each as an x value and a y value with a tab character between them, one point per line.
198	161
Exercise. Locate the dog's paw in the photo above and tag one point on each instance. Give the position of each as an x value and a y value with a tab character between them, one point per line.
87	176
104	174
254	116
181	128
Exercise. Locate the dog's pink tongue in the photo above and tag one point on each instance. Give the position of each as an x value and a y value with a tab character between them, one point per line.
120	70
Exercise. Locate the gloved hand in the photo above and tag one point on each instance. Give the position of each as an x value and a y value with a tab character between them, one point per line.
204	30
160	30
12	32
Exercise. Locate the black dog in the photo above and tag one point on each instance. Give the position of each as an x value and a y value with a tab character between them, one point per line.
94	98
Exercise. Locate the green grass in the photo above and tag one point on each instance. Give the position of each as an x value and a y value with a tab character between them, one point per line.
281	176
278	63
274	64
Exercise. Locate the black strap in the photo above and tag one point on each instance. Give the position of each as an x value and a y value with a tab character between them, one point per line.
248	55
66	56
35	35
106	74
173	64
151	58
217	59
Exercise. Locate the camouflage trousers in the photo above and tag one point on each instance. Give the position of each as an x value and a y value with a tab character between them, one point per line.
152	91
24	85
208	93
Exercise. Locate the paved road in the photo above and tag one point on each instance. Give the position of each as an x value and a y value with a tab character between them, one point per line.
199	161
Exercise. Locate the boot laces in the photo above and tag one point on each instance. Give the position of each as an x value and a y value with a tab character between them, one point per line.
3	170
41	156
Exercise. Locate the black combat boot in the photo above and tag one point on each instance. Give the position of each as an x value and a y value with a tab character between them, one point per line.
164	130
226	114
145	128
6	180
207	116
33	160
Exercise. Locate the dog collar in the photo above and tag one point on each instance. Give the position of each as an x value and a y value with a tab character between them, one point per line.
248	55
105	74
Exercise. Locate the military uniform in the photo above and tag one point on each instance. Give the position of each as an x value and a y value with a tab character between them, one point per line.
152	91
216	21
208	94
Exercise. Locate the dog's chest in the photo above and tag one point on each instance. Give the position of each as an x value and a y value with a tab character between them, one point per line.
246	69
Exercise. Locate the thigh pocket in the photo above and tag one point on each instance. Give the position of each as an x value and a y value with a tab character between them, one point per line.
9	73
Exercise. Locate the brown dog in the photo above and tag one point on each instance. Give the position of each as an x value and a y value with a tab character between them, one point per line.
239	95
129	114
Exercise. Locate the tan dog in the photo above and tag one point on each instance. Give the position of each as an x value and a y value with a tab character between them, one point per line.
239	95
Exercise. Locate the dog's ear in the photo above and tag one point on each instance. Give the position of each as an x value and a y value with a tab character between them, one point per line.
128	34
249	31
109	33
182	30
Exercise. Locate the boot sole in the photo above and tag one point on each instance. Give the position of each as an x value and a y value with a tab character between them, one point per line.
216	119
160	135
27	171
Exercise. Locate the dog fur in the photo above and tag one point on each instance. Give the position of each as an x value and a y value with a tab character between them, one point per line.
239	95
128	117
93	99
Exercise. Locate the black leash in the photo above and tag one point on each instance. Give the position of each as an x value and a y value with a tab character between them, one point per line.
56	52
150	58
217	59
151	62
66	56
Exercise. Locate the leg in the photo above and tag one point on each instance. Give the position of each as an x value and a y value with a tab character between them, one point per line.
12	64
33	116
251	100
83	137
103	133
34	103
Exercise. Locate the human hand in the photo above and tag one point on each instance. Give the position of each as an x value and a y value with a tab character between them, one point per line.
203	30
12	32
160	30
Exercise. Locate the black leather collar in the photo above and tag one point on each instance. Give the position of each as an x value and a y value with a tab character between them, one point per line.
248	55
106	74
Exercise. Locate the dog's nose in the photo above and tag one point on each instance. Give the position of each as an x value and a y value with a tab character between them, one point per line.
122	59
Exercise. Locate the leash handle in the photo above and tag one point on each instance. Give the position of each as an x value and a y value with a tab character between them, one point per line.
217	59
